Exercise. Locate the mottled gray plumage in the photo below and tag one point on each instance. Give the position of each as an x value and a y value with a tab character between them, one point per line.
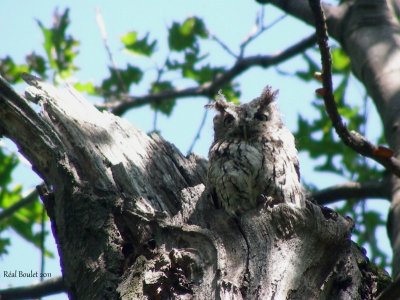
253	159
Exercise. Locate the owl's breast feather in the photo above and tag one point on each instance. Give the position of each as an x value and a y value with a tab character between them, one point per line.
236	170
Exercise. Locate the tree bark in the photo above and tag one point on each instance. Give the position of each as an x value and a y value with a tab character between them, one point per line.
133	219
370	34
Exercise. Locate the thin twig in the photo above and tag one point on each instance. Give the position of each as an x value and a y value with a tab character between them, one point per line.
103	32
209	89
198	134
160	72
352	139
42	242
44	288
256	33
223	45
155	119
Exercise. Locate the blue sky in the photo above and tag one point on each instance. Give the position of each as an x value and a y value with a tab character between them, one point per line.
231	21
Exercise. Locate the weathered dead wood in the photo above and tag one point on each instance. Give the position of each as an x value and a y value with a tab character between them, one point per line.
133	219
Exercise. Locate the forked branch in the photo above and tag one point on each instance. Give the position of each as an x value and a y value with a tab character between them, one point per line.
210	88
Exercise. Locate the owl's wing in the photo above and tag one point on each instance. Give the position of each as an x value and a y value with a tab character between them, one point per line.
296	167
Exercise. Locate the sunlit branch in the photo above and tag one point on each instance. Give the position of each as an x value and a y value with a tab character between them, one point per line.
103	32
211	88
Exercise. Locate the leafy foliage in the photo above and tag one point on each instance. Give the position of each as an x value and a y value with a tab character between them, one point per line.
185	36
12	71
7	165
60	48
24	219
120	80
318	139
188	61
165	106
138	46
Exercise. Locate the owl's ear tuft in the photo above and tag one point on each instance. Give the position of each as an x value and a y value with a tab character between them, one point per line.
220	97
220	103
267	96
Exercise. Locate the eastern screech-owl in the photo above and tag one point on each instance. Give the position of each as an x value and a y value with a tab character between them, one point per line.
253	159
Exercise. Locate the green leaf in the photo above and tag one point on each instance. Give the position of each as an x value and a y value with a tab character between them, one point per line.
48	43
165	105
60	48
4	244
87	87
185	35
37	64
129	38
11	71
189	68
138	46
340	61
204	74
120	80
7	166
24	220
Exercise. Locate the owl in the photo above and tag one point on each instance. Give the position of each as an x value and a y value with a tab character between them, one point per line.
253	158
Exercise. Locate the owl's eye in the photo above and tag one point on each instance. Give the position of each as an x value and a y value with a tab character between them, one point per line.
228	119
261	116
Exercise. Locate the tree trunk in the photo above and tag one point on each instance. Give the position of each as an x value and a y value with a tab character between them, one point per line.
133	219
370	33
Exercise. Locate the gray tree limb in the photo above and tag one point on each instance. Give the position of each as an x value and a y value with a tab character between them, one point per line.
370	34
133	219
353	190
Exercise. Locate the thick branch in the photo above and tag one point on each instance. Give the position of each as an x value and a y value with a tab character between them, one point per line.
298	8
20	123
45	288
301	10
210	88
370	34
353	190
351	139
